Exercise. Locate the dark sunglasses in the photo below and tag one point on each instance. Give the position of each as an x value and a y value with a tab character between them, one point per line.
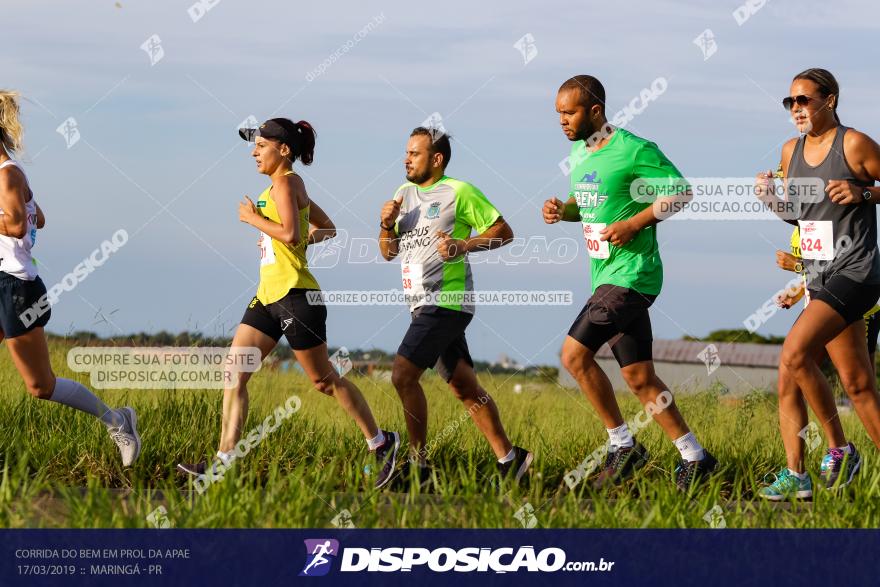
801	100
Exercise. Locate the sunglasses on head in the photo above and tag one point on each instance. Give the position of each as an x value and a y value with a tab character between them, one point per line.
801	100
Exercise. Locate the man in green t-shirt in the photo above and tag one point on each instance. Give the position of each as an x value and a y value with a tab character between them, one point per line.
428	225
621	187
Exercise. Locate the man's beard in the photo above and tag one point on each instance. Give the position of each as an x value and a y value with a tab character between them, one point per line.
420	178
588	132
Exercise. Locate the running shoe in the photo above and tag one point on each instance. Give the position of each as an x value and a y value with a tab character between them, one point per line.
690	473
787	486
192	469
401	481
126	436
518	467
386	458
201	468
620	465
839	467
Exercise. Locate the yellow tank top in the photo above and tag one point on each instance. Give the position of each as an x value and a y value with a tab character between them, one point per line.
282	266
796	242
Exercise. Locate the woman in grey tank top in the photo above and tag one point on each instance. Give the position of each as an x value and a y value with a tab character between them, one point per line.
838	241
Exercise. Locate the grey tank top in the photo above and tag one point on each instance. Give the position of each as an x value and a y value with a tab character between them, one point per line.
858	258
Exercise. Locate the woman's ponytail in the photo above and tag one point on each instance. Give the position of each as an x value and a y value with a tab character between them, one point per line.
306	136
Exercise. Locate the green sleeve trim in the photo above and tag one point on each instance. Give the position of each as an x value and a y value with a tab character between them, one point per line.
472	208
454	274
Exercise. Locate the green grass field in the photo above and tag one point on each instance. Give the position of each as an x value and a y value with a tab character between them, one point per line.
60	469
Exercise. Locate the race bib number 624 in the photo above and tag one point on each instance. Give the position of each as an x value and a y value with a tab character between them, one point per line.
817	239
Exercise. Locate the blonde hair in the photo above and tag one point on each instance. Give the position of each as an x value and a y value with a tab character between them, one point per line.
11	131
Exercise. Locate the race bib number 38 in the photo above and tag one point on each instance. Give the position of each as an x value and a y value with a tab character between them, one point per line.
413	288
817	239
596	247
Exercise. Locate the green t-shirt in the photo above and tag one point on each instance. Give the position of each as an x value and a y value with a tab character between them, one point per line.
600	183
458	209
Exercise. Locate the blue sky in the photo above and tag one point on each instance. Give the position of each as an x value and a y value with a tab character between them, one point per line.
163	136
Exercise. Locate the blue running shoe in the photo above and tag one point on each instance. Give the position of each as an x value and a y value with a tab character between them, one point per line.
787	486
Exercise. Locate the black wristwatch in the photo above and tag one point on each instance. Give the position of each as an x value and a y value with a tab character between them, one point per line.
383	227
867	195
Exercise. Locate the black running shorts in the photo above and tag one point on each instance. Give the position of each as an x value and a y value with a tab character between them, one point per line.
848	298
22	305
872	330
435	338
304	324
618	316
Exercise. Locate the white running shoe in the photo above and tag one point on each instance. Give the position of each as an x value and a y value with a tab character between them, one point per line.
126	436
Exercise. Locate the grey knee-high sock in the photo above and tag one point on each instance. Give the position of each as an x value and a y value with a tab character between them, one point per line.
74	395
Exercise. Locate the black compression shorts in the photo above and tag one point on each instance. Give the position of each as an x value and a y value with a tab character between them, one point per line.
304	324
848	298
618	316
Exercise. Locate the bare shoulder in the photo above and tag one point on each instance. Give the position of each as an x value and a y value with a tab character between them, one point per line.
788	146
787	150
12	178
858	141
298	189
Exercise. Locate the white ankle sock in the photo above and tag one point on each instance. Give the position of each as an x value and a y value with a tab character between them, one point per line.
800	476
376	441
225	457
620	437
689	447
508	457
74	395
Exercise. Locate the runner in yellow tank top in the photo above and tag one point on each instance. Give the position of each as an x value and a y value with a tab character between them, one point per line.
288	301
283	266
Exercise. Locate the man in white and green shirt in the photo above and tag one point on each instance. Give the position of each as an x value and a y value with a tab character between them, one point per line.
615	179
428	225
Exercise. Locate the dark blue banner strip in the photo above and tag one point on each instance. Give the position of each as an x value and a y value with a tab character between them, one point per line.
439	557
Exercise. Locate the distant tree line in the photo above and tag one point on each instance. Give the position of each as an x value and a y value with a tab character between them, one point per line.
736	335
281	352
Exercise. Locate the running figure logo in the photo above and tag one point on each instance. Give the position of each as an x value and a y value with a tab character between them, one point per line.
317	552
710	358
434	124
153	48
706	42
586	191
70	131
526	47
591	177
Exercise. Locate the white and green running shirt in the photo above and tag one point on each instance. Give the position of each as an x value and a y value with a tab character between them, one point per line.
455	207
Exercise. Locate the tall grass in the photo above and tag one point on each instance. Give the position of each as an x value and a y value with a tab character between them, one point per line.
58	467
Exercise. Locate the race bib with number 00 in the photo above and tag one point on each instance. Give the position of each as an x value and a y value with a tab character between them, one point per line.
596	247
